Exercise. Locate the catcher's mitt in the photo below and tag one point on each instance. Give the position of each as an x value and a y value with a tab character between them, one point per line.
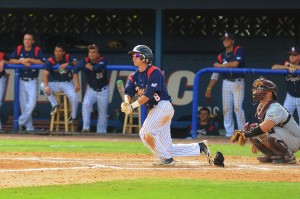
238	137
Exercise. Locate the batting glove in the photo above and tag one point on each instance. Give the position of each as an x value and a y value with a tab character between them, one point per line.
126	108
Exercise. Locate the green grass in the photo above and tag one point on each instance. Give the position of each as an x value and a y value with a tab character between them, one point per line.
11	145
72	146
159	188
141	188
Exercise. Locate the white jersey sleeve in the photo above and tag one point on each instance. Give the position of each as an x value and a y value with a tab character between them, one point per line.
215	76
276	113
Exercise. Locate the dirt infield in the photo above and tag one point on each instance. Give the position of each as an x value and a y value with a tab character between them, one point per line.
34	169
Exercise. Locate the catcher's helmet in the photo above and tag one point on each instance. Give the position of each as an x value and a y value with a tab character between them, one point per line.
260	88
146	53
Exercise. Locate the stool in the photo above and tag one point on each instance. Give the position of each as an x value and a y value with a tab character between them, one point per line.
128	124
64	109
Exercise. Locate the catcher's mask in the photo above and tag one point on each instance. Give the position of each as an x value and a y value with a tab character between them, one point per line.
144	52
261	87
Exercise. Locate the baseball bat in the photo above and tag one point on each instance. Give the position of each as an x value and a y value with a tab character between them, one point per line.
120	86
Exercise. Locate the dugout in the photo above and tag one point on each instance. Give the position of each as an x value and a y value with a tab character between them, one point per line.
184	36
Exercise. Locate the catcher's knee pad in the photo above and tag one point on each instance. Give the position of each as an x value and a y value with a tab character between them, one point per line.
261	147
279	148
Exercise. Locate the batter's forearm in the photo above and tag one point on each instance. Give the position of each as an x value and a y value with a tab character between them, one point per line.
143	99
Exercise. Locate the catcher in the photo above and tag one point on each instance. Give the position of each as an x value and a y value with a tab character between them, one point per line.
277	135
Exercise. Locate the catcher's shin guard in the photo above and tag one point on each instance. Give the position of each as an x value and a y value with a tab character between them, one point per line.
261	147
279	148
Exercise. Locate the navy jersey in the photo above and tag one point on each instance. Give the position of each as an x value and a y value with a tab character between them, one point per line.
208	129
56	74
3	57
96	78
35	52
236	55
292	84
152	81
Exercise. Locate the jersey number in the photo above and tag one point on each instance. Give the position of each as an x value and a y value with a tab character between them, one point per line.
156	97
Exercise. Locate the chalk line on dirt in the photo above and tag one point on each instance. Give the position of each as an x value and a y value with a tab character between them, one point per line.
138	164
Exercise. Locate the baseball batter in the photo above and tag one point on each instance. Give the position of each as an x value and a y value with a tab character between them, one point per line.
97	90
61	79
292	99
277	135
149	83
3	60
233	84
28	54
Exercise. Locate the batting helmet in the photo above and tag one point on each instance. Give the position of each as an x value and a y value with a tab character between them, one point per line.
145	51
261	87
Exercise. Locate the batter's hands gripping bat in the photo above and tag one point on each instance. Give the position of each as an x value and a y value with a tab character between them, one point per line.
120	86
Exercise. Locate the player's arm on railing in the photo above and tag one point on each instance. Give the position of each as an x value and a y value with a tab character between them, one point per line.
212	82
15	61
46	82
280	66
232	64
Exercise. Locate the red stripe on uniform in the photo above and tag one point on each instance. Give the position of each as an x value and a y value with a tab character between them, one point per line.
236	48
151	69
131	78
220	58
51	60
1	56
67	57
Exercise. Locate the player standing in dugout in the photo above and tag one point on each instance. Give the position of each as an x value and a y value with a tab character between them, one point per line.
27	54
292	81
233	85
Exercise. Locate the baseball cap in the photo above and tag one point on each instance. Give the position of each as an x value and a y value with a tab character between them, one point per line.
93	46
227	35
294	51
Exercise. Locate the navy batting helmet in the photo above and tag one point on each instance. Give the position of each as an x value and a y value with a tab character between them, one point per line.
261	87
145	51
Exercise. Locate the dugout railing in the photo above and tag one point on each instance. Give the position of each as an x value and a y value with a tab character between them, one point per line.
17	68
224	70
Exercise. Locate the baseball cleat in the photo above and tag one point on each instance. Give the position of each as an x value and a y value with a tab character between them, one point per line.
22	128
292	160
85	131
204	149
70	120
54	110
165	162
264	159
